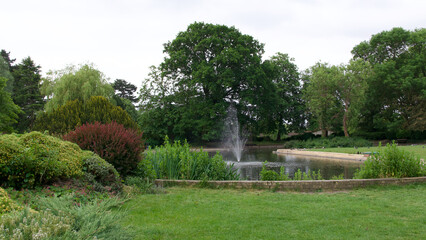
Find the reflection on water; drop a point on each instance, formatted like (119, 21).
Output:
(251, 164)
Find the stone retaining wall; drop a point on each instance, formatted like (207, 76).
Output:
(301, 186)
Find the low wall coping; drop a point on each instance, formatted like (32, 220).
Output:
(301, 186)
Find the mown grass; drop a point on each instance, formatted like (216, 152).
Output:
(190, 213)
(419, 150)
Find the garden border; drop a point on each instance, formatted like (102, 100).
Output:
(300, 186)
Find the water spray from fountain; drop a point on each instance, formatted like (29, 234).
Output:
(233, 138)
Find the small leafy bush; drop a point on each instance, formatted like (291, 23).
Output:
(328, 143)
(7, 204)
(178, 161)
(271, 175)
(392, 161)
(34, 159)
(112, 141)
(100, 173)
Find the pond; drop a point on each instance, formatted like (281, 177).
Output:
(251, 164)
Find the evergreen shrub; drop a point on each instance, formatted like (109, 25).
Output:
(76, 113)
(34, 159)
(119, 146)
(100, 173)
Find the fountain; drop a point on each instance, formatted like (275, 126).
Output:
(233, 138)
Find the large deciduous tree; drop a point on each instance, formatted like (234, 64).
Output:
(320, 95)
(288, 113)
(26, 92)
(350, 91)
(209, 66)
(75, 84)
(396, 97)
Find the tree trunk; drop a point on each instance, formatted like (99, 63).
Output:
(345, 121)
(345, 124)
(324, 133)
(279, 135)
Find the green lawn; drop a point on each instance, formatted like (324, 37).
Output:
(191, 213)
(419, 150)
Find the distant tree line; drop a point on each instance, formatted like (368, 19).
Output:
(380, 93)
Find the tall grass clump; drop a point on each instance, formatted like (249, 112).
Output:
(392, 162)
(178, 161)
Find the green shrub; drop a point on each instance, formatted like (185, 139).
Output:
(271, 175)
(178, 161)
(61, 218)
(100, 173)
(92, 220)
(7, 204)
(328, 143)
(33, 159)
(76, 113)
(392, 161)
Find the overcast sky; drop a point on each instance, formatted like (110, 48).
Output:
(124, 37)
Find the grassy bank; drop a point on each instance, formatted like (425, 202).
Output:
(419, 150)
(188, 213)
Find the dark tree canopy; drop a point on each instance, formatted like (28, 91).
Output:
(26, 92)
(288, 113)
(124, 89)
(396, 96)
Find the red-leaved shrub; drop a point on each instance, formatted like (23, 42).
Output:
(117, 145)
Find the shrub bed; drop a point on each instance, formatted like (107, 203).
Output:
(328, 143)
(34, 159)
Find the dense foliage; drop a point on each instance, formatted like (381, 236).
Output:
(6, 203)
(75, 84)
(396, 93)
(205, 69)
(328, 143)
(34, 159)
(8, 110)
(392, 161)
(26, 92)
(112, 141)
(178, 161)
(76, 113)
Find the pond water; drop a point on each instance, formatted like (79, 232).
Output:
(251, 164)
